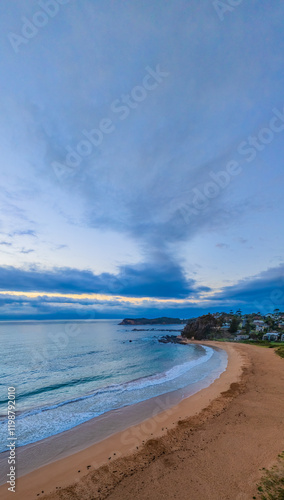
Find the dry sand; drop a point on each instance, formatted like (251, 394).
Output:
(210, 446)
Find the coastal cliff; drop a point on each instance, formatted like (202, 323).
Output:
(200, 328)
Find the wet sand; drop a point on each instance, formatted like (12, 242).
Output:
(210, 446)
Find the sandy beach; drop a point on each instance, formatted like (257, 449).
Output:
(209, 446)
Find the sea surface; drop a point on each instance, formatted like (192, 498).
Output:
(68, 372)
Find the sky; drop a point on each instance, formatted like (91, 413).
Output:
(141, 158)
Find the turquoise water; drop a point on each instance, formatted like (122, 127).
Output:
(66, 373)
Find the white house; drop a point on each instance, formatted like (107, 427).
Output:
(271, 336)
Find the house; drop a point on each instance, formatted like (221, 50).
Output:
(242, 337)
(225, 326)
(259, 325)
(259, 328)
(271, 336)
(282, 337)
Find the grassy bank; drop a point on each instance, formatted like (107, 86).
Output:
(263, 343)
(271, 486)
(280, 351)
(278, 346)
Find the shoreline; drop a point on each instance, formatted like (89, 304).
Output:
(64, 471)
(38, 454)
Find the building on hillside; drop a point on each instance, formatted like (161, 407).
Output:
(271, 336)
(259, 328)
(242, 337)
(225, 326)
(259, 325)
(282, 337)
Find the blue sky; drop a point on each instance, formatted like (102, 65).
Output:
(142, 158)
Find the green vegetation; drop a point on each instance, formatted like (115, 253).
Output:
(280, 351)
(263, 343)
(271, 486)
(234, 325)
(248, 328)
(201, 328)
(266, 343)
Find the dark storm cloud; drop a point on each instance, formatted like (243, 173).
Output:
(164, 281)
(264, 291)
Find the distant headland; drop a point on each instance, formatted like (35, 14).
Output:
(155, 321)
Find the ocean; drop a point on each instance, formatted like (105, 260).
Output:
(68, 372)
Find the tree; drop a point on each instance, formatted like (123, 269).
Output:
(234, 325)
(276, 312)
(247, 328)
